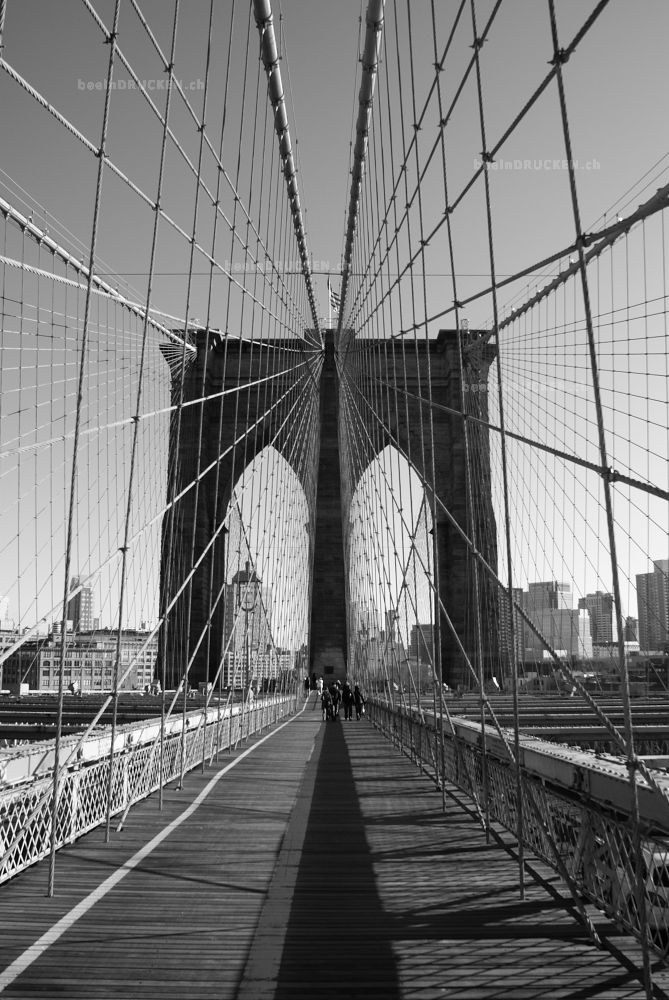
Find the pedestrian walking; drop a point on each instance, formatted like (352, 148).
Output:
(347, 700)
(359, 700)
(336, 699)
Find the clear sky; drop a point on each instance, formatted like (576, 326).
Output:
(616, 85)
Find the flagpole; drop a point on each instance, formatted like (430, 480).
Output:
(329, 305)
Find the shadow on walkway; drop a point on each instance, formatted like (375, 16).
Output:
(325, 915)
(338, 937)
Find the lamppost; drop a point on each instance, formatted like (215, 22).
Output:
(247, 601)
(363, 655)
(394, 660)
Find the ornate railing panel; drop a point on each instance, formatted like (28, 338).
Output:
(590, 847)
(26, 810)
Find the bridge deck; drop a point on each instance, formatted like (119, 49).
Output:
(320, 865)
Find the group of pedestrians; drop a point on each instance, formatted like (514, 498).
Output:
(338, 694)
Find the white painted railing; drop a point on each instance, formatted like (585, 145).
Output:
(589, 845)
(26, 808)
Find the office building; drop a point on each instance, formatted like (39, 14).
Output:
(631, 633)
(566, 629)
(548, 595)
(519, 624)
(652, 591)
(600, 610)
(80, 607)
(421, 644)
(247, 635)
(88, 664)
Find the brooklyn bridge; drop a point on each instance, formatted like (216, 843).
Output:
(431, 465)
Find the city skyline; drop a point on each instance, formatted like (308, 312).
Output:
(599, 604)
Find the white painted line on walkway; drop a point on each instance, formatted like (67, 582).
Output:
(32, 953)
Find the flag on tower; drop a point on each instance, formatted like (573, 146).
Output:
(335, 299)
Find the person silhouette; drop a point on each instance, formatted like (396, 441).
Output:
(347, 700)
(359, 700)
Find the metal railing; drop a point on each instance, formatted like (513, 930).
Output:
(591, 849)
(26, 810)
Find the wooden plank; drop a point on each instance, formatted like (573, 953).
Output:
(180, 924)
(321, 865)
(393, 898)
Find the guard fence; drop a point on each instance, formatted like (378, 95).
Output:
(138, 770)
(591, 847)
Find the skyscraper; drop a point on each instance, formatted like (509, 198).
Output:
(631, 633)
(548, 596)
(519, 625)
(247, 630)
(80, 607)
(422, 643)
(652, 591)
(567, 629)
(600, 610)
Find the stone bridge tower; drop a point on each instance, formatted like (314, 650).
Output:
(228, 374)
(233, 377)
(402, 378)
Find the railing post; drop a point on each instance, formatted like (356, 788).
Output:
(126, 778)
(74, 802)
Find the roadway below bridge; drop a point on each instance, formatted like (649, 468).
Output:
(31, 718)
(315, 862)
(561, 718)
(569, 720)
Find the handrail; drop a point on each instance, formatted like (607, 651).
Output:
(25, 809)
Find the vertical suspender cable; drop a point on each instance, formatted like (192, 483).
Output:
(135, 433)
(632, 761)
(451, 251)
(203, 388)
(207, 325)
(478, 42)
(249, 420)
(413, 458)
(111, 40)
(224, 367)
(473, 534)
(240, 351)
(432, 443)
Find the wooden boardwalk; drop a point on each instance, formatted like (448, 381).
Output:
(321, 865)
